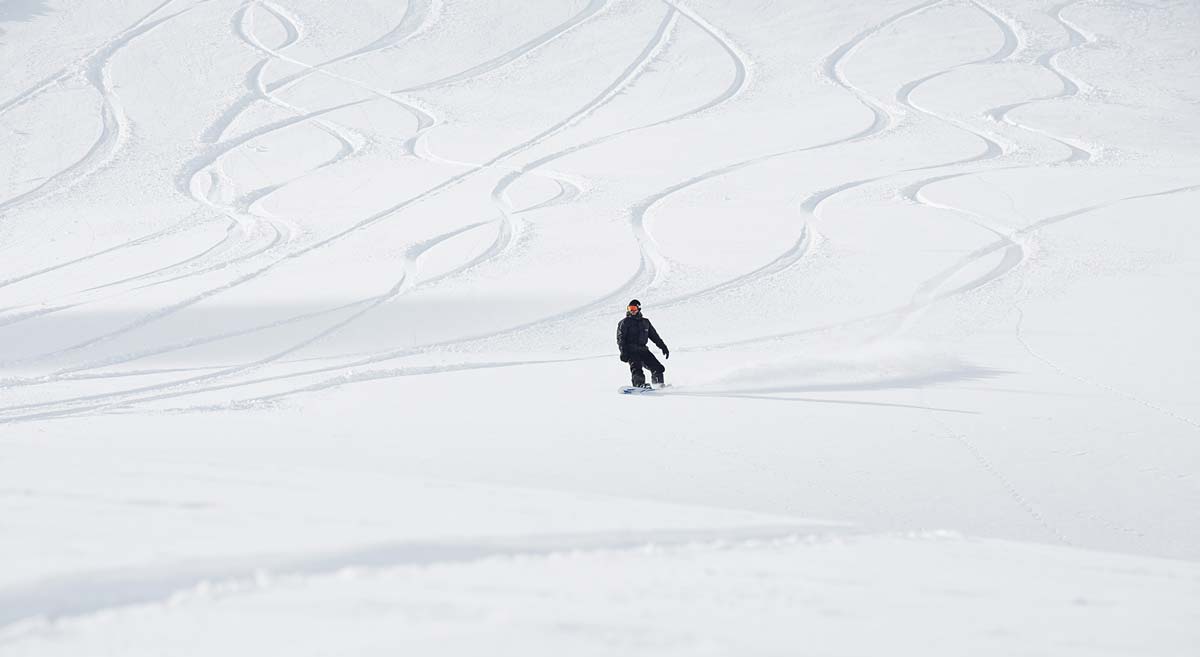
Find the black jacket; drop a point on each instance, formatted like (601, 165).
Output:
(633, 331)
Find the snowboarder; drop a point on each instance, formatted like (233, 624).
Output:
(632, 333)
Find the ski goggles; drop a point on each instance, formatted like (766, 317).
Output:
(634, 309)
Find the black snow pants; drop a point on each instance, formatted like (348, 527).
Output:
(643, 358)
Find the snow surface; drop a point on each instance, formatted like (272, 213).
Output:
(307, 315)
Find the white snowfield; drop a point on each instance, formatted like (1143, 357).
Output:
(307, 313)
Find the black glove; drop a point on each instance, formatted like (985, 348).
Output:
(666, 354)
(624, 358)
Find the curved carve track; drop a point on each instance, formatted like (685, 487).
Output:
(314, 251)
(256, 243)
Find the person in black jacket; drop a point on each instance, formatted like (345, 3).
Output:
(632, 333)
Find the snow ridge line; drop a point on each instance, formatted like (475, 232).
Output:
(48, 601)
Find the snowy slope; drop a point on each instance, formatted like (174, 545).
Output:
(307, 311)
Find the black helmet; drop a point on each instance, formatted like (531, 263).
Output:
(635, 302)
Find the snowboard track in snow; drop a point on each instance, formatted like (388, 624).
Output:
(623, 80)
(283, 243)
(855, 243)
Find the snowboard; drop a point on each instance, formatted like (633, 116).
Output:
(630, 390)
